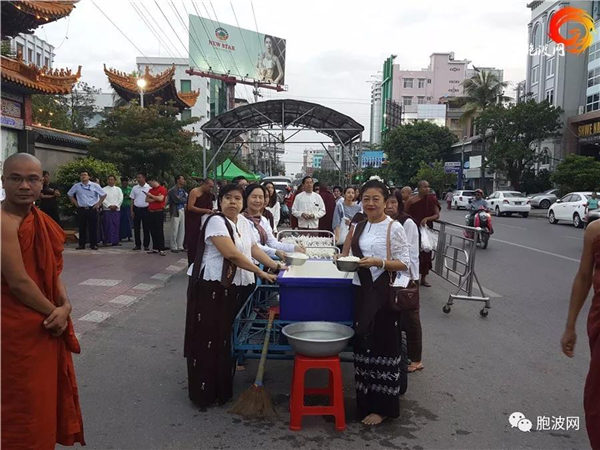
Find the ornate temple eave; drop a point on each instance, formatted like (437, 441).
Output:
(35, 80)
(161, 85)
(24, 16)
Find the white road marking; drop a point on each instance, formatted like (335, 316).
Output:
(100, 282)
(173, 268)
(486, 291)
(506, 225)
(125, 300)
(580, 238)
(183, 261)
(95, 316)
(537, 250)
(144, 287)
(161, 276)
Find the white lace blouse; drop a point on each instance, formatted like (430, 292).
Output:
(373, 243)
(212, 261)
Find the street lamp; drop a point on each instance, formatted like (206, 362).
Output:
(141, 82)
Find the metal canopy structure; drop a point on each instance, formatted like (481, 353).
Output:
(276, 116)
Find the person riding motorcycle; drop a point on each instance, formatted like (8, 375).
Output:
(476, 205)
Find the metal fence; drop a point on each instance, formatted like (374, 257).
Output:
(454, 261)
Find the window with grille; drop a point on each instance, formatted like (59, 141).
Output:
(550, 66)
(592, 103)
(407, 101)
(535, 74)
(594, 52)
(550, 96)
(421, 82)
(593, 77)
(421, 100)
(408, 82)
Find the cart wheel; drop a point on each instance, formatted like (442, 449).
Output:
(446, 309)
(484, 312)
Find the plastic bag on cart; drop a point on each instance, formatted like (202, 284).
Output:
(428, 239)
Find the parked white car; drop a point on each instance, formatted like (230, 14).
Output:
(572, 208)
(461, 198)
(508, 202)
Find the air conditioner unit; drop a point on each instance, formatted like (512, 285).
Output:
(580, 109)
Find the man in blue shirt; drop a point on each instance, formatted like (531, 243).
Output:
(87, 198)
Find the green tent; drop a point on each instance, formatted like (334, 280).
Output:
(228, 171)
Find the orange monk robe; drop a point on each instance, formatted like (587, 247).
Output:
(40, 403)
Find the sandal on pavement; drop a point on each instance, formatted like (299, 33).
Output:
(414, 367)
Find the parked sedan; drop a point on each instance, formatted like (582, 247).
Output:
(508, 202)
(461, 198)
(572, 207)
(544, 199)
(592, 215)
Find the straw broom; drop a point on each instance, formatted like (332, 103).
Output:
(255, 402)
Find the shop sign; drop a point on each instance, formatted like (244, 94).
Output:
(588, 129)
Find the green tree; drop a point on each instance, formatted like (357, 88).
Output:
(481, 91)
(149, 139)
(70, 112)
(515, 129)
(407, 146)
(532, 182)
(331, 177)
(68, 174)
(577, 173)
(436, 175)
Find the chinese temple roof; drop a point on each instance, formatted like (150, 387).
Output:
(31, 79)
(24, 16)
(54, 135)
(160, 86)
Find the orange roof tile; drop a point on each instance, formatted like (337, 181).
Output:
(38, 80)
(46, 9)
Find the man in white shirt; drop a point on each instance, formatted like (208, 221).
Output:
(112, 211)
(139, 211)
(308, 206)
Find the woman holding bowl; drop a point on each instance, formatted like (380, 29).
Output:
(377, 354)
(222, 267)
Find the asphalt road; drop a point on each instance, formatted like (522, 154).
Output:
(478, 371)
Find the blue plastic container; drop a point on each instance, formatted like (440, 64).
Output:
(327, 299)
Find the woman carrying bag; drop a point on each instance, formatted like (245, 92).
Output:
(222, 267)
(411, 321)
(376, 344)
(344, 212)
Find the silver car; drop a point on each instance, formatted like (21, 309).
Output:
(543, 199)
(592, 215)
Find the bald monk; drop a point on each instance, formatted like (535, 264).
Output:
(40, 404)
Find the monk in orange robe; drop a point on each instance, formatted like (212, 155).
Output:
(40, 403)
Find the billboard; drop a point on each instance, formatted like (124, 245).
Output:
(224, 49)
(372, 158)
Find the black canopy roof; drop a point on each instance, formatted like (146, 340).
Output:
(341, 128)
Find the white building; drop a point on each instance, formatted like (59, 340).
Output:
(33, 49)
(376, 110)
(184, 83)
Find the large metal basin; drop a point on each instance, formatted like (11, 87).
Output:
(318, 338)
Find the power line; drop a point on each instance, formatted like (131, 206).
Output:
(197, 39)
(255, 23)
(186, 29)
(170, 25)
(158, 27)
(152, 30)
(120, 31)
(238, 25)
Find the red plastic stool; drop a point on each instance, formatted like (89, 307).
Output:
(334, 391)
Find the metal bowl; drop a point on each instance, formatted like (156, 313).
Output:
(290, 260)
(346, 266)
(318, 338)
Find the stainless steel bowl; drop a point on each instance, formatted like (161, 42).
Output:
(318, 338)
(346, 266)
(291, 261)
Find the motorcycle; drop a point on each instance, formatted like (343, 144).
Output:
(479, 219)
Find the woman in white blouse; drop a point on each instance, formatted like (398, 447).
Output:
(411, 321)
(222, 268)
(273, 205)
(254, 204)
(377, 352)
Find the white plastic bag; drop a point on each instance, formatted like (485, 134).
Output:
(428, 239)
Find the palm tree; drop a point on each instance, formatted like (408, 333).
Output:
(482, 90)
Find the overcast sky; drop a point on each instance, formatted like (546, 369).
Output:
(333, 47)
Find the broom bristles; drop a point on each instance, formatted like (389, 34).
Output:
(255, 402)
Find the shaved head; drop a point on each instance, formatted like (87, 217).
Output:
(22, 179)
(406, 192)
(21, 158)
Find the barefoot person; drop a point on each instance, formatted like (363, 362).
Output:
(588, 274)
(376, 344)
(40, 405)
